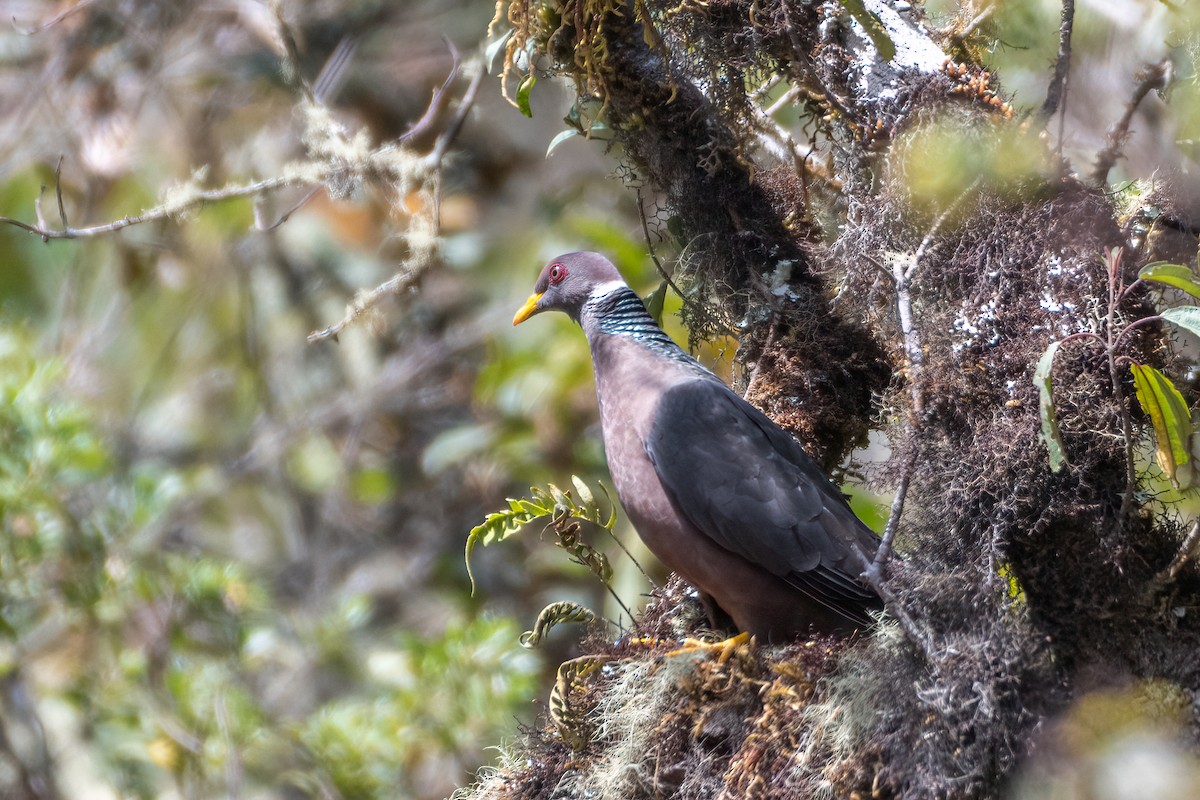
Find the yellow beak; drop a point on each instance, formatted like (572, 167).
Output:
(528, 310)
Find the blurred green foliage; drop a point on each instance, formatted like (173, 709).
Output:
(169, 655)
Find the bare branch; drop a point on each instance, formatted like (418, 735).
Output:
(1153, 77)
(980, 18)
(50, 23)
(902, 277)
(439, 101)
(367, 300)
(192, 201)
(1056, 95)
(919, 638)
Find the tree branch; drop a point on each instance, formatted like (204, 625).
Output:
(1056, 94)
(193, 200)
(1153, 77)
(402, 281)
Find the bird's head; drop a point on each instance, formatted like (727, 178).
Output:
(567, 282)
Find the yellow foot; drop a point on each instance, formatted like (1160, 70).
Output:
(724, 649)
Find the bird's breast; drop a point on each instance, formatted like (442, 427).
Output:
(630, 382)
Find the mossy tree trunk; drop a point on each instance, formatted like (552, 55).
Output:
(905, 269)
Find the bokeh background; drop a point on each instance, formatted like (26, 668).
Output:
(231, 561)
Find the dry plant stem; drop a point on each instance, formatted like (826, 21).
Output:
(636, 563)
(1153, 77)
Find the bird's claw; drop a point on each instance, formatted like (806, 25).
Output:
(724, 649)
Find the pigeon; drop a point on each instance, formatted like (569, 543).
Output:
(722, 495)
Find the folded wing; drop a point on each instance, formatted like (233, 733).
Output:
(751, 488)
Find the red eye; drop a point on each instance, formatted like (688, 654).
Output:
(557, 273)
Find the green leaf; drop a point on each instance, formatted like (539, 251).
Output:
(1175, 275)
(655, 302)
(872, 26)
(1172, 422)
(1186, 317)
(523, 90)
(587, 500)
(496, 527)
(1051, 434)
(561, 500)
(611, 522)
(559, 139)
(552, 502)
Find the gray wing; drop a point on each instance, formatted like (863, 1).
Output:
(750, 487)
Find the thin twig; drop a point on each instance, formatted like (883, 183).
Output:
(902, 277)
(291, 54)
(464, 107)
(437, 103)
(758, 364)
(636, 563)
(57, 18)
(1056, 94)
(774, 134)
(650, 246)
(193, 200)
(929, 242)
(450, 134)
(368, 300)
(62, 211)
(285, 216)
(787, 98)
(762, 91)
(974, 24)
(334, 72)
(894, 608)
(896, 512)
(406, 280)
(1154, 77)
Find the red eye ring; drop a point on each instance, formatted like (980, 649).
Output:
(557, 273)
